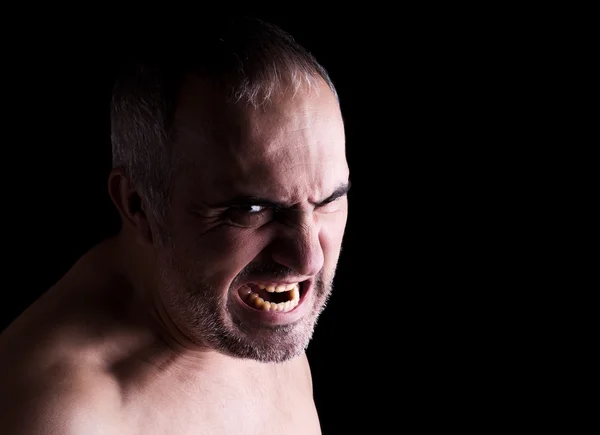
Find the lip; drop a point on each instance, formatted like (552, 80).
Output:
(254, 315)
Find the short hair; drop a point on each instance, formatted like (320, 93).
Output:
(245, 58)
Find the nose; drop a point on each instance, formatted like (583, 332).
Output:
(298, 247)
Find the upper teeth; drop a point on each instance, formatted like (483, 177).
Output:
(277, 288)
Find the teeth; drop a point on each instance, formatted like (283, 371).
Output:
(254, 300)
(272, 288)
(295, 293)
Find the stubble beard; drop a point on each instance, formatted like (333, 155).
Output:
(202, 313)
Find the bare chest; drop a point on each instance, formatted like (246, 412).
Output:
(253, 409)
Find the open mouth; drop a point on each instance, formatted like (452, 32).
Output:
(270, 296)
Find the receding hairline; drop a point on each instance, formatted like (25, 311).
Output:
(204, 115)
(200, 91)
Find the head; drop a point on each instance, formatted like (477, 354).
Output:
(229, 172)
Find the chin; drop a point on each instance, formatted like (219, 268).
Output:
(272, 344)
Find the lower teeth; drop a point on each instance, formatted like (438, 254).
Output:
(255, 301)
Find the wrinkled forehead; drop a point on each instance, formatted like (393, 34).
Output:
(220, 142)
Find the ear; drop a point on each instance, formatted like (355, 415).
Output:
(129, 205)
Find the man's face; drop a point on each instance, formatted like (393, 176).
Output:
(258, 215)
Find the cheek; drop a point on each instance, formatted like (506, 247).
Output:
(220, 254)
(331, 236)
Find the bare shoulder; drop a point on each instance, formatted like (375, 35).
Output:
(52, 379)
(47, 390)
(61, 399)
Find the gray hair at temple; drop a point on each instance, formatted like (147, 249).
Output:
(245, 58)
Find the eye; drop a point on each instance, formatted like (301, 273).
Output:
(255, 208)
(332, 206)
(249, 215)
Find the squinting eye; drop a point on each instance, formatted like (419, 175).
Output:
(331, 206)
(250, 215)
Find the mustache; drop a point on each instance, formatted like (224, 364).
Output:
(272, 269)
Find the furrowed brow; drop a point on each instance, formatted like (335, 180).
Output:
(248, 200)
(342, 190)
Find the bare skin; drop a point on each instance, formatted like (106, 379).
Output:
(112, 349)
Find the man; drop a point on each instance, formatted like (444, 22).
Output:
(230, 178)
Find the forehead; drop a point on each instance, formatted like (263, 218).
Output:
(293, 147)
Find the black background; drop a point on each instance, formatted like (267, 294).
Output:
(407, 338)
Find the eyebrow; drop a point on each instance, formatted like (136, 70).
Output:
(247, 200)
